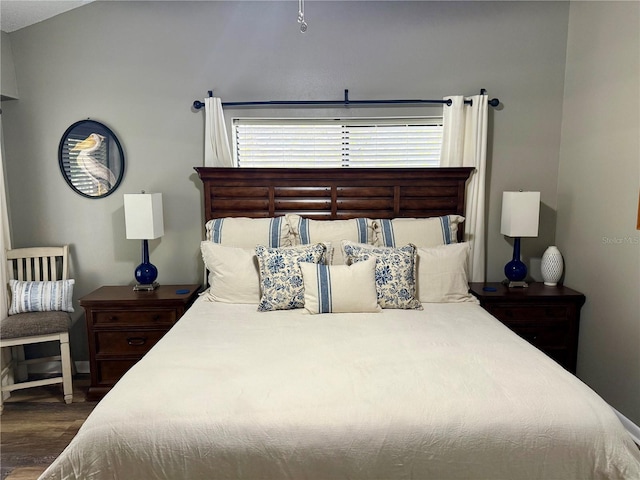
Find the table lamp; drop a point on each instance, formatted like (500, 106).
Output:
(143, 221)
(520, 218)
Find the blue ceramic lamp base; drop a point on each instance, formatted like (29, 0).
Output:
(515, 270)
(146, 273)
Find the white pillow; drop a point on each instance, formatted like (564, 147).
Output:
(442, 274)
(395, 272)
(280, 275)
(249, 232)
(47, 296)
(421, 232)
(233, 273)
(340, 288)
(306, 231)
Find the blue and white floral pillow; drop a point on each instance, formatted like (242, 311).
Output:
(281, 282)
(395, 272)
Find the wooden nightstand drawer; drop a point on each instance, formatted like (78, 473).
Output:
(547, 317)
(131, 342)
(124, 324)
(528, 312)
(108, 372)
(548, 335)
(135, 317)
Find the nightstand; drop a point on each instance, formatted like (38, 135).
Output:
(547, 317)
(123, 325)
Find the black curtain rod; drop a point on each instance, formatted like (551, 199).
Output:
(197, 104)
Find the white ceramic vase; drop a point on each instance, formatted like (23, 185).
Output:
(552, 266)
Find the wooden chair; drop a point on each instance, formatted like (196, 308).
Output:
(35, 264)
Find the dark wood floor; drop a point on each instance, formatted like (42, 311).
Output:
(37, 425)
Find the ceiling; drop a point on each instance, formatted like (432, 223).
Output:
(17, 14)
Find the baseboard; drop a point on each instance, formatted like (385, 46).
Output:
(632, 428)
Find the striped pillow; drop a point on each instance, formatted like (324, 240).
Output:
(340, 288)
(249, 232)
(421, 232)
(41, 296)
(307, 231)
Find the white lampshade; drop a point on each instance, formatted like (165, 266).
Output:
(520, 214)
(143, 215)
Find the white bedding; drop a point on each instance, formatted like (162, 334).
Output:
(445, 393)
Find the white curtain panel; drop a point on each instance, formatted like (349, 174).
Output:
(216, 142)
(464, 144)
(5, 242)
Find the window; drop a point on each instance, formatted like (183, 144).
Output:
(370, 142)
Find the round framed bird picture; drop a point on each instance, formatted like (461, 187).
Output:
(91, 159)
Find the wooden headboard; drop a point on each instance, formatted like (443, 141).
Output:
(334, 193)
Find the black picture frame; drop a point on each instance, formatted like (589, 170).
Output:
(91, 159)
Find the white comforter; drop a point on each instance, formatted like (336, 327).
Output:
(446, 393)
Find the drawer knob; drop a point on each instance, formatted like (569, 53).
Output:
(136, 341)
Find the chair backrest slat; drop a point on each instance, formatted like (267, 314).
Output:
(36, 269)
(53, 267)
(38, 263)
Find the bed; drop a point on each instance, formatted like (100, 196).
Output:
(248, 386)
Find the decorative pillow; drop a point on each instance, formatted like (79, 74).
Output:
(340, 288)
(306, 231)
(395, 272)
(249, 232)
(421, 232)
(41, 296)
(280, 276)
(442, 274)
(233, 273)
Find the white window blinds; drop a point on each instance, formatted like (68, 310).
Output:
(379, 142)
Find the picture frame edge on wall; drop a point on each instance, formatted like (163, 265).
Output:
(91, 159)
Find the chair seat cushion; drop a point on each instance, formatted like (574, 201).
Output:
(34, 323)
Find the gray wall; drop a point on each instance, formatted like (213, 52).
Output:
(598, 194)
(9, 84)
(138, 66)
